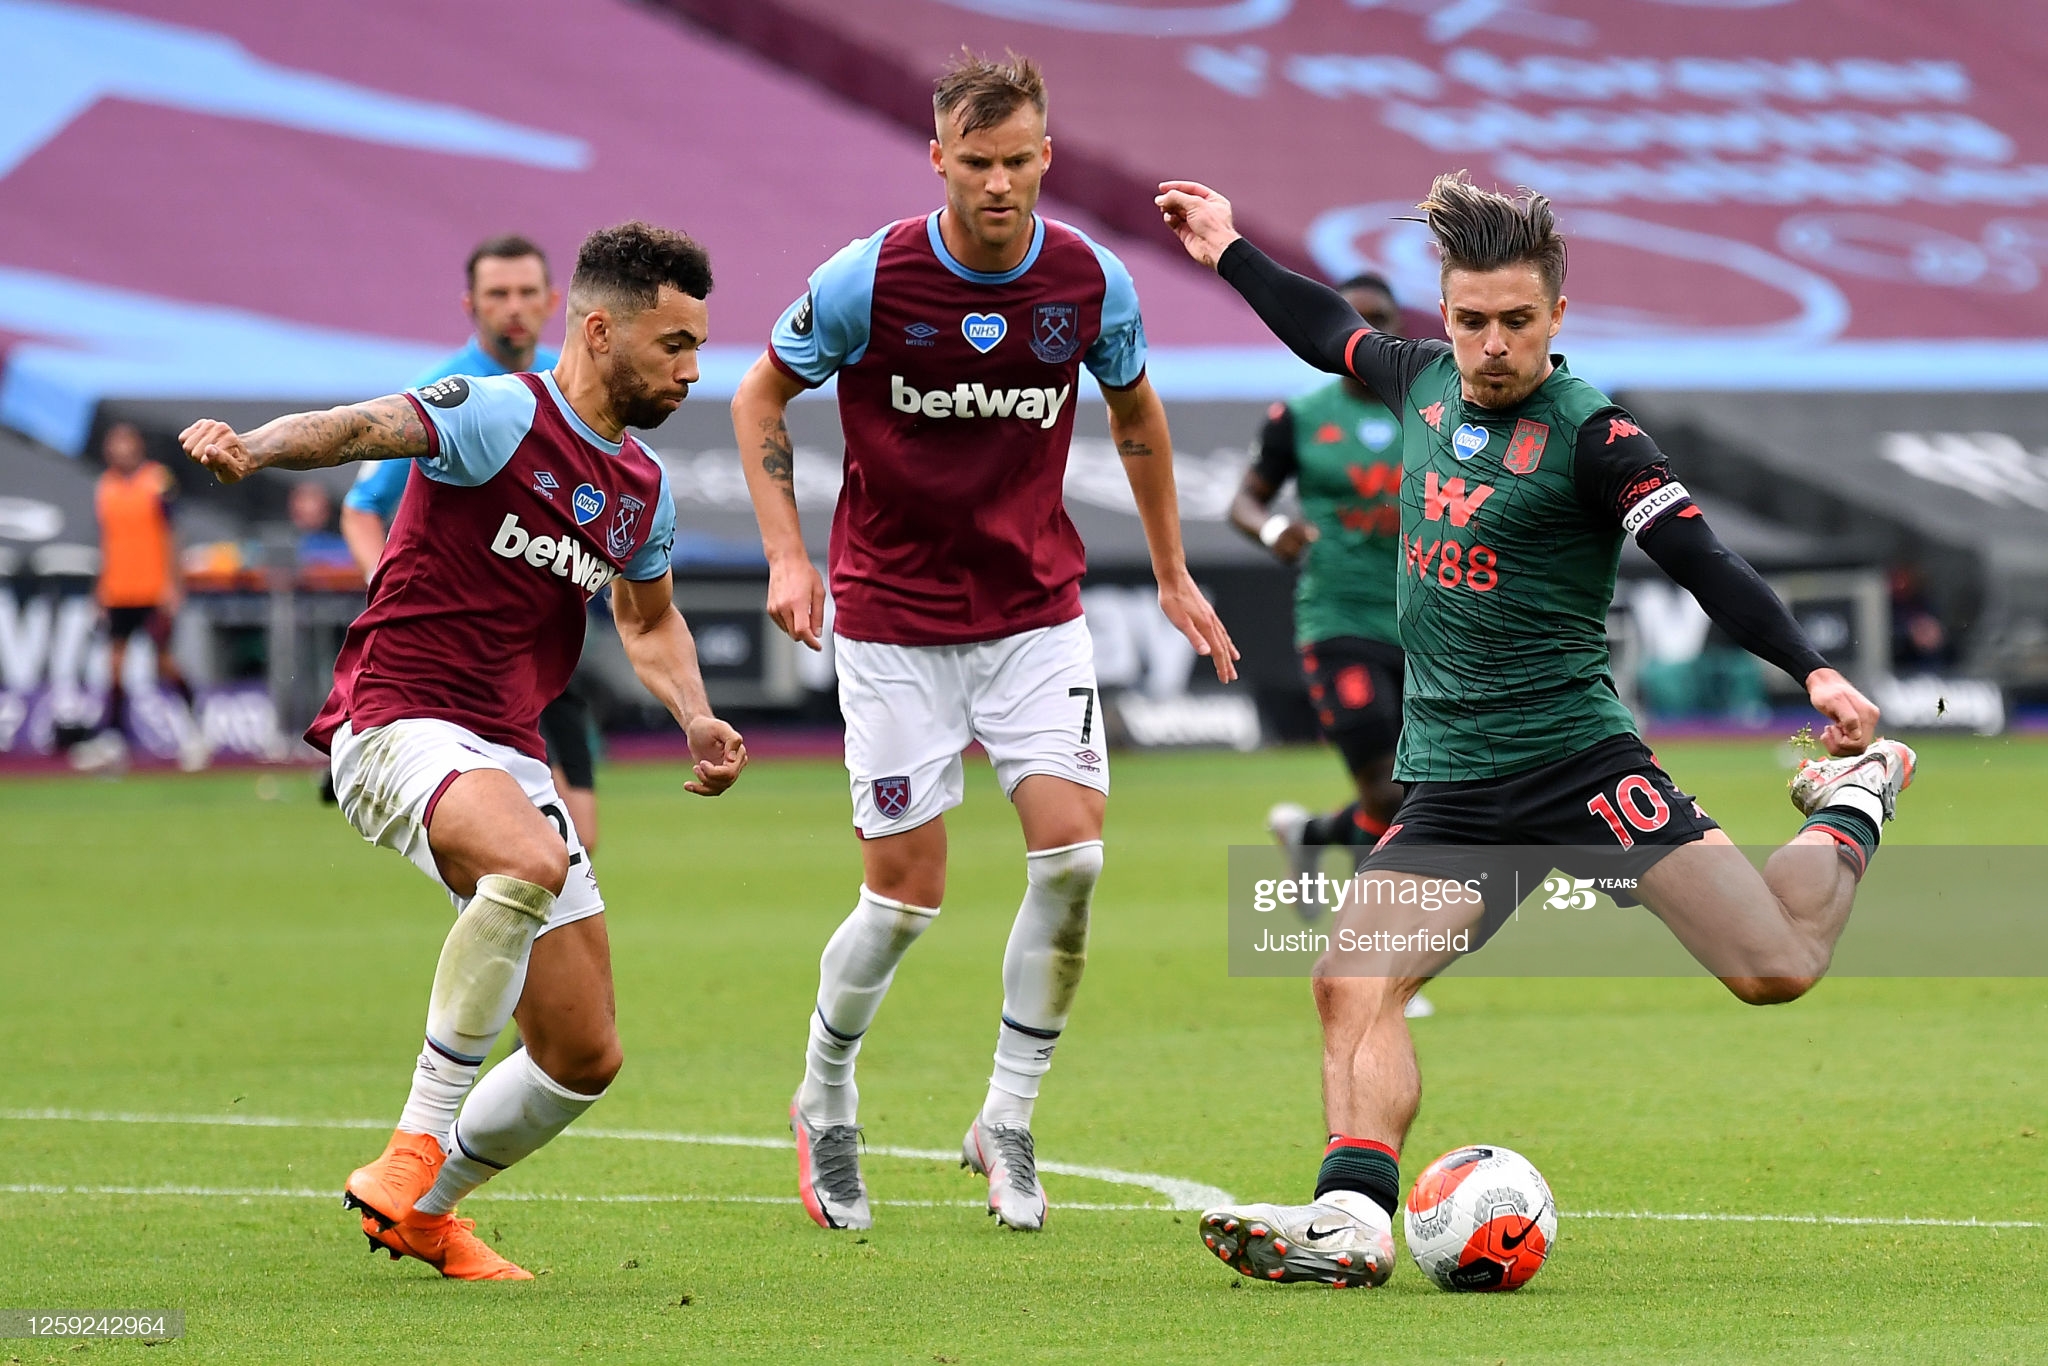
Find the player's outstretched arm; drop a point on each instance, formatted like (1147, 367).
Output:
(1137, 424)
(381, 429)
(664, 657)
(1735, 596)
(796, 595)
(1313, 320)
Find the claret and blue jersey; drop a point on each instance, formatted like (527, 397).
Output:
(956, 398)
(516, 515)
(381, 483)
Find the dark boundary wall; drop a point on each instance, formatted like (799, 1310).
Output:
(1955, 484)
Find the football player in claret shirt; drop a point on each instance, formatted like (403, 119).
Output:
(526, 497)
(509, 296)
(1519, 482)
(958, 338)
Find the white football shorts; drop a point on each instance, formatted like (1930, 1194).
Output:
(1030, 699)
(388, 779)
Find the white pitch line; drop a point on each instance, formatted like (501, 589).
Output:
(1902, 1222)
(1182, 1195)
(551, 1197)
(1185, 1195)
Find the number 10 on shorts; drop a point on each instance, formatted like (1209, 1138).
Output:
(1637, 802)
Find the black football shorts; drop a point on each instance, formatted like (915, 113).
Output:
(1610, 810)
(1355, 685)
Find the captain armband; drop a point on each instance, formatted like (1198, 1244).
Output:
(1648, 499)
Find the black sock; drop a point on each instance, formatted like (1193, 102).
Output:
(117, 710)
(184, 690)
(1334, 828)
(1361, 1165)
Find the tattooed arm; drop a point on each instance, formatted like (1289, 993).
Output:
(1137, 423)
(796, 595)
(381, 429)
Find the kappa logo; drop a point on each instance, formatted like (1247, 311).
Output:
(1525, 447)
(1433, 415)
(892, 796)
(1450, 497)
(983, 330)
(1055, 332)
(1618, 427)
(544, 484)
(446, 393)
(1042, 406)
(559, 554)
(1469, 440)
(586, 504)
(625, 524)
(919, 334)
(1329, 434)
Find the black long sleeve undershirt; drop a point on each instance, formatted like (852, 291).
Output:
(1315, 323)
(1731, 593)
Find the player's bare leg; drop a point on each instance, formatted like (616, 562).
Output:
(904, 878)
(492, 846)
(1042, 967)
(1770, 935)
(1372, 1089)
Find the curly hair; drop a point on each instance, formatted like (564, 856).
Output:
(624, 267)
(1478, 229)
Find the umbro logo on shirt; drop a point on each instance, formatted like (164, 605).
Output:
(919, 334)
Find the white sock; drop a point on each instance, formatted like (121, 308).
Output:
(477, 982)
(511, 1115)
(439, 1082)
(853, 976)
(1041, 972)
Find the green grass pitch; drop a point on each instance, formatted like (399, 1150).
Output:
(224, 947)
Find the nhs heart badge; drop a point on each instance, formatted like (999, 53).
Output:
(1469, 440)
(983, 330)
(588, 503)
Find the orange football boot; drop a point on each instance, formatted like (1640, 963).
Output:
(445, 1243)
(386, 1189)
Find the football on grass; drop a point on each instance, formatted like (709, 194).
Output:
(1480, 1218)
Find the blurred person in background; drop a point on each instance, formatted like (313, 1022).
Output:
(140, 589)
(510, 295)
(1920, 643)
(311, 510)
(1342, 448)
